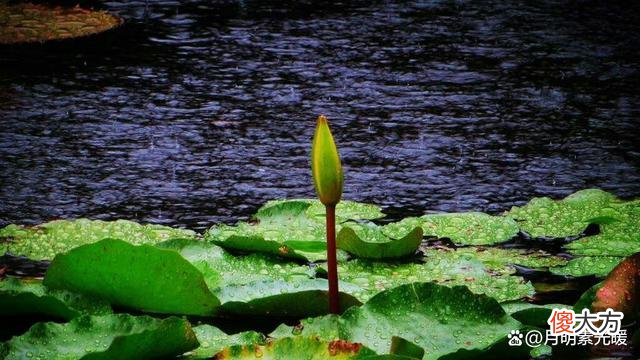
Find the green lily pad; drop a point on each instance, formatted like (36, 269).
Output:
(26, 23)
(46, 240)
(345, 210)
(18, 297)
(547, 218)
(617, 238)
(220, 268)
(368, 241)
(442, 320)
(472, 228)
(258, 284)
(502, 259)
(282, 229)
(116, 336)
(213, 340)
(282, 298)
(289, 228)
(139, 277)
(488, 271)
(298, 348)
(599, 266)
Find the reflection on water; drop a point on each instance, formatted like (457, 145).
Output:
(193, 115)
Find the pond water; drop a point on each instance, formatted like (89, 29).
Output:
(197, 112)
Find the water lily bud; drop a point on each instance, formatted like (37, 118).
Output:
(325, 164)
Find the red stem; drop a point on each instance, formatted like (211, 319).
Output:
(332, 263)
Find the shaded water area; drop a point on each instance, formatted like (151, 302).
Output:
(197, 112)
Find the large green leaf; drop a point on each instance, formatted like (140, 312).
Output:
(368, 241)
(472, 228)
(213, 340)
(289, 228)
(46, 240)
(258, 284)
(106, 337)
(547, 218)
(283, 229)
(308, 348)
(484, 271)
(441, 320)
(282, 298)
(588, 265)
(19, 297)
(138, 277)
(616, 238)
(345, 210)
(220, 268)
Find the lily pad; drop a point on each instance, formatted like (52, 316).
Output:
(502, 259)
(616, 238)
(258, 284)
(213, 340)
(46, 240)
(345, 210)
(220, 268)
(485, 272)
(472, 228)
(282, 298)
(138, 277)
(299, 347)
(442, 320)
(283, 229)
(25, 22)
(289, 228)
(547, 218)
(118, 336)
(18, 297)
(599, 266)
(368, 241)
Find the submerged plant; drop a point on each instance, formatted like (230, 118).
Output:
(328, 180)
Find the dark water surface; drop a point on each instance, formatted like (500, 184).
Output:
(196, 112)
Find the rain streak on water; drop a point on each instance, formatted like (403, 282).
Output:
(197, 112)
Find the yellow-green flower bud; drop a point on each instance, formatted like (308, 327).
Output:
(325, 164)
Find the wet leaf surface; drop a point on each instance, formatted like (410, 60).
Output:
(136, 277)
(368, 241)
(298, 348)
(28, 297)
(260, 285)
(620, 237)
(213, 340)
(289, 228)
(472, 228)
(46, 240)
(599, 266)
(484, 271)
(547, 218)
(440, 319)
(118, 336)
